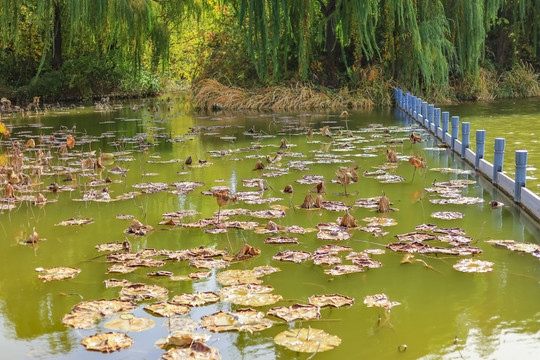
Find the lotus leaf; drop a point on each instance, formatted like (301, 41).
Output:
(376, 221)
(473, 265)
(447, 215)
(380, 300)
(415, 236)
(292, 256)
(57, 273)
(450, 231)
(197, 351)
(367, 262)
(167, 309)
(199, 275)
(160, 273)
(72, 221)
(268, 214)
(178, 324)
(140, 292)
(456, 240)
(307, 340)
(120, 268)
(195, 299)
(523, 247)
(249, 295)
(332, 249)
(343, 270)
(84, 314)
(281, 240)
(209, 263)
(116, 283)
(334, 300)
(240, 320)
(235, 277)
(133, 324)
(108, 342)
(326, 259)
(334, 235)
(425, 227)
(110, 247)
(296, 312)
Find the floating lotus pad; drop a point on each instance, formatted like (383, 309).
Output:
(447, 215)
(197, 350)
(74, 222)
(473, 265)
(167, 309)
(292, 256)
(240, 320)
(249, 295)
(130, 324)
(334, 300)
(195, 299)
(326, 259)
(108, 342)
(307, 340)
(296, 312)
(140, 292)
(380, 300)
(57, 273)
(344, 269)
(84, 314)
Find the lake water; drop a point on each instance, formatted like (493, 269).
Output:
(443, 313)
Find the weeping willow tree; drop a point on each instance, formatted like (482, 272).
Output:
(420, 43)
(129, 30)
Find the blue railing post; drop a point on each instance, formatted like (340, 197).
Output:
(437, 118)
(445, 120)
(465, 132)
(480, 146)
(400, 96)
(498, 158)
(521, 173)
(430, 113)
(418, 108)
(455, 129)
(424, 109)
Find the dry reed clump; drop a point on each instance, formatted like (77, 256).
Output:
(210, 94)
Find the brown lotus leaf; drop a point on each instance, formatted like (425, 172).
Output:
(292, 256)
(458, 201)
(368, 203)
(410, 247)
(295, 229)
(180, 325)
(145, 263)
(329, 227)
(332, 249)
(137, 228)
(382, 221)
(240, 320)
(116, 283)
(334, 300)
(310, 179)
(57, 273)
(343, 270)
(247, 252)
(84, 314)
(447, 215)
(450, 231)
(367, 262)
(124, 217)
(33, 237)
(206, 252)
(121, 257)
(268, 214)
(8, 191)
(206, 263)
(138, 292)
(110, 247)
(307, 340)
(348, 221)
(107, 342)
(79, 221)
(120, 268)
(415, 236)
(353, 255)
(167, 309)
(215, 231)
(296, 312)
(281, 240)
(455, 240)
(131, 324)
(249, 295)
(70, 141)
(160, 273)
(271, 226)
(195, 299)
(199, 275)
(170, 222)
(425, 227)
(380, 300)
(288, 189)
(473, 265)
(333, 235)
(326, 259)
(319, 188)
(196, 350)
(81, 320)
(461, 250)
(523, 247)
(501, 243)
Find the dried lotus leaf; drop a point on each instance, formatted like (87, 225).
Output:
(133, 324)
(209, 263)
(199, 275)
(338, 235)
(332, 249)
(240, 320)
(344, 269)
(182, 338)
(140, 292)
(292, 256)
(195, 299)
(110, 247)
(367, 262)
(296, 312)
(109, 283)
(383, 221)
(473, 265)
(307, 340)
(334, 300)
(235, 277)
(197, 351)
(120, 268)
(57, 273)
(523, 247)
(447, 215)
(167, 309)
(281, 240)
(249, 295)
(379, 300)
(108, 342)
(73, 222)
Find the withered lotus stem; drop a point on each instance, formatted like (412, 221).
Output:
(318, 201)
(259, 165)
(308, 202)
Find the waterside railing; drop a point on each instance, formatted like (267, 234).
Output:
(430, 118)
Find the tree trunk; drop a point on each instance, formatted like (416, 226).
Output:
(330, 25)
(57, 45)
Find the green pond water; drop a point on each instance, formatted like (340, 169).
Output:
(444, 313)
(516, 120)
